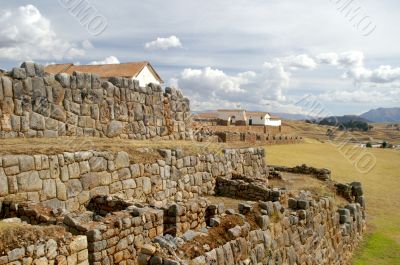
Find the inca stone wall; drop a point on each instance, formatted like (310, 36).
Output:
(260, 138)
(70, 180)
(316, 235)
(35, 104)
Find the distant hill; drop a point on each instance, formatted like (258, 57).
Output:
(344, 119)
(346, 122)
(382, 115)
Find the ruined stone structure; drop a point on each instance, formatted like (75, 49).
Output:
(109, 209)
(259, 138)
(35, 104)
(70, 180)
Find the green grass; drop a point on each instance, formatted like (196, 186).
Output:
(381, 186)
(378, 249)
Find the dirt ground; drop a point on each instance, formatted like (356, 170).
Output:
(19, 234)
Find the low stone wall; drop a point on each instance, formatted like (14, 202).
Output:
(35, 104)
(319, 173)
(49, 252)
(252, 191)
(118, 237)
(262, 138)
(180, 217)
(70, 180)
(315, 235)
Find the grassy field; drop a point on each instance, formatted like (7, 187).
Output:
(381, 186)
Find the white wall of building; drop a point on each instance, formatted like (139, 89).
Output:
(256, 119)
(146, 77)
(273, 122)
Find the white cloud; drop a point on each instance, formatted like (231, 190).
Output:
(25, 34)
(164, 43)
(302, 61)
(351, 59)
(87, 44)
(328, 58)
(269, 86)
(108, 60)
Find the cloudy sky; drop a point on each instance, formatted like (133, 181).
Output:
(256, 54)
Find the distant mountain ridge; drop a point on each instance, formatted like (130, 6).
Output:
(382, 115)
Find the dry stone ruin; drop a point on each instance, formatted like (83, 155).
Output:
(35, 104)
(101, 207)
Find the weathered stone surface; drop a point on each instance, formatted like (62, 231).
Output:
(79, 243)
(121, 160)
(98, 164)
(114, 129)
(29, 68)
(26, 163)
(3, 183)
(49, 188)
(263, 221)
(74, 187)
(29, 181)
(18, 73)
(37, 121)
(16, 254)
(95, 179)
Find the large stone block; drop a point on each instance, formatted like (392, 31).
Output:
(49, 188)
(37, 121)
(114, 129)
(3, 183)
(98, 164)
(7, 87)
(74, 187)
(95, 179)
(39, 90)
(26, 163)
(18, 73)
(29, 181)
(29, 68)
(122, 160)
(58, 113)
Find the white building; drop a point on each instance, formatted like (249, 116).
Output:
(141, 71)
(261, 118)
(232, 117)
(243, 117)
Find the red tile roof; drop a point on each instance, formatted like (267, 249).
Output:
(131, 69)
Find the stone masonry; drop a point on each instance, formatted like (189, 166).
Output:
(70, 180)
(37, 104)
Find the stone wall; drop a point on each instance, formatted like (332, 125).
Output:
(319, 173)
(118, 237)
(180, 217)
(317, 235)
(237, 188)
(259, 138)
(70, 180)
(35, 104)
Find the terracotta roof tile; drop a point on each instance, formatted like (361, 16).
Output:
(131, 69)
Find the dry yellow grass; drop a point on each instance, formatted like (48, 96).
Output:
(139, 151)
(381, 186)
